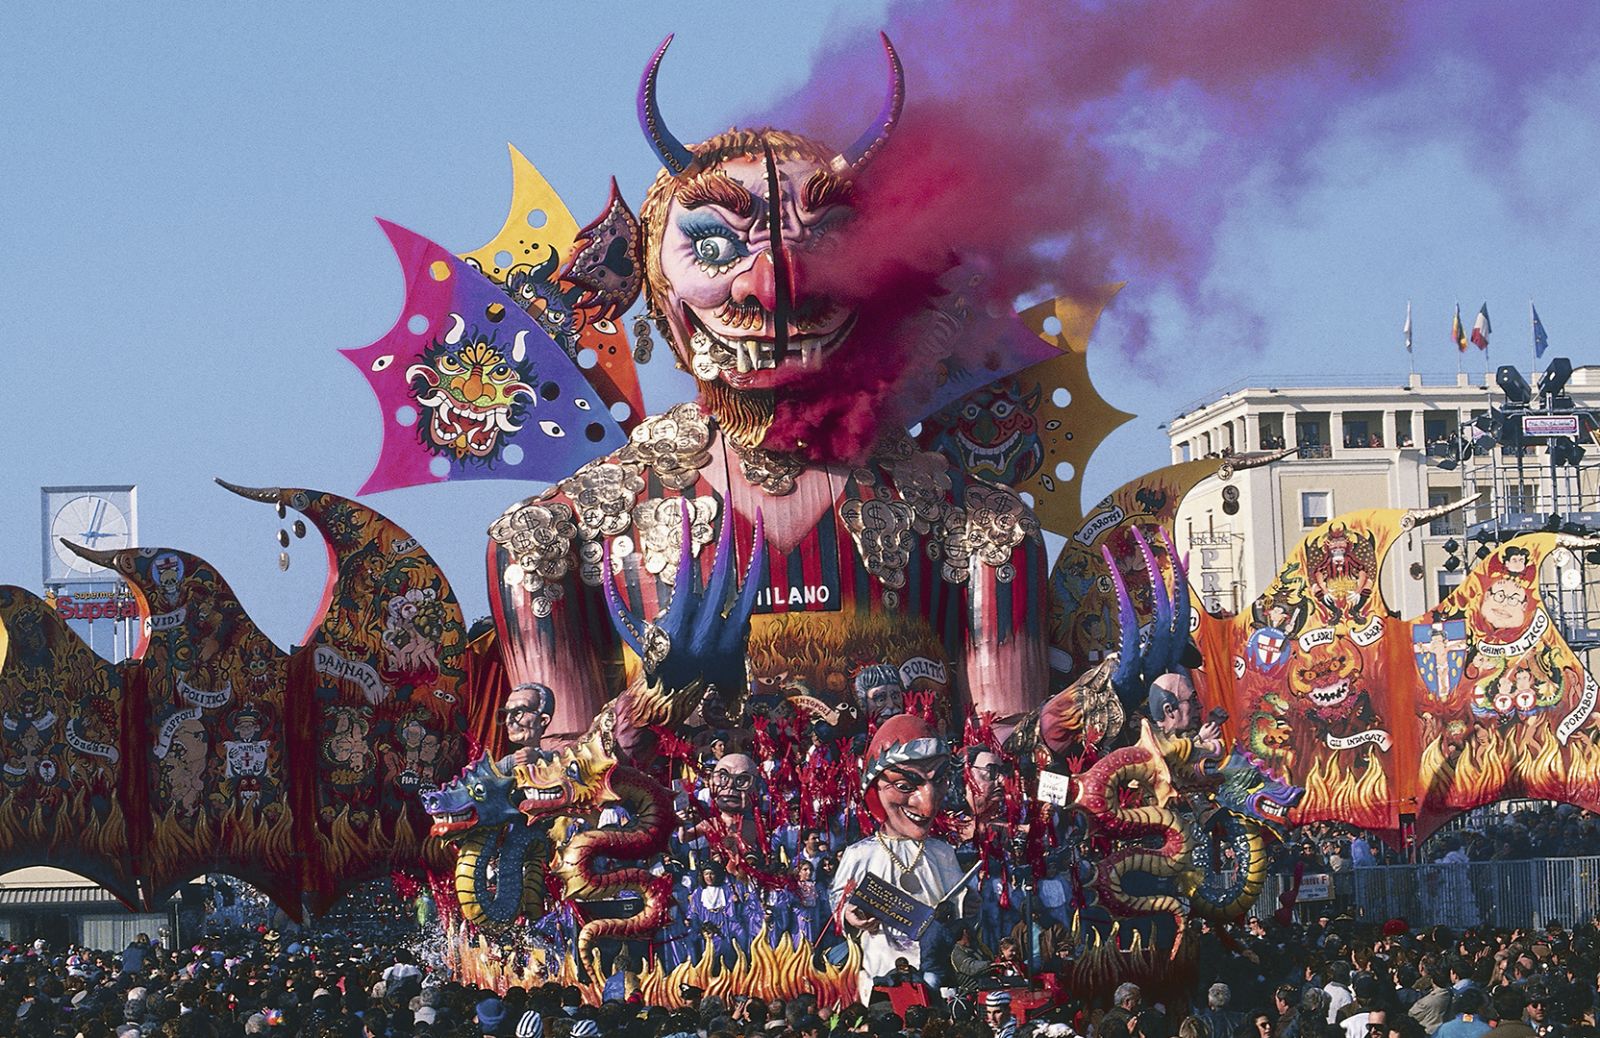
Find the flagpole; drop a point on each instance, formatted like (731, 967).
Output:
(1455, 338)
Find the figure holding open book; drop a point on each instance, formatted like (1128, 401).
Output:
(888, 885)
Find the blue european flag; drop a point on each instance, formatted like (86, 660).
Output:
(1541, 341)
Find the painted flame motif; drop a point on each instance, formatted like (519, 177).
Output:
(766, 971)
(1359, 795)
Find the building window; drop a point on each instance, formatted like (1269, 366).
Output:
(1448, 582)
(1363, 429)
(1444, 524)
(1521, 497)
(1315, 506)
(1402, 429)
(1271, 432)
(1184, 452)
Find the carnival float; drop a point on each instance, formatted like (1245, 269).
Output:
(810, 607)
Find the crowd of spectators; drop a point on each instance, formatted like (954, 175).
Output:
(1545, 831)
(1532, 831)
(1332, 978)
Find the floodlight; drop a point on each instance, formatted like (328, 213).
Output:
(1555, 377)
(1513, 385)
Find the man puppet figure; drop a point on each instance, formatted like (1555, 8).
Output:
(733, 831)
(526, 714)
(903, 776)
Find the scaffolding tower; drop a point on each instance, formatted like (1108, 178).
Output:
(1531, 457)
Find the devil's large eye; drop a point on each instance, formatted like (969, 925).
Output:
(836, 219)
(449, 363)
(572, 772)
(715, 243)
(1002, 409)
(716, 250)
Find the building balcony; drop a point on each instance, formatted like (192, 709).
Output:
(1313, 451)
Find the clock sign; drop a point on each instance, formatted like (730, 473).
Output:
(99, 518)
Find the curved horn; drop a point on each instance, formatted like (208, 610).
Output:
(546, 269)
(866, 146)
(94, 555)
(1417, 516)
(668, 149)
(266, 495)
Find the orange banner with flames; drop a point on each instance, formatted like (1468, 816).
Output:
(1506, 707)
(1385, 720)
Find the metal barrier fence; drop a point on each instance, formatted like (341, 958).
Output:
(1500, 894)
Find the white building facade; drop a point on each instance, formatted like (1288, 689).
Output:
(1358, 447)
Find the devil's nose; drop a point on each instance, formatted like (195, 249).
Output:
(759, 284)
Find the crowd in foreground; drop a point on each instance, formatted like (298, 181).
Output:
(1332, 978)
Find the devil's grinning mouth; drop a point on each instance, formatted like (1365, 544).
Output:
(747, 355)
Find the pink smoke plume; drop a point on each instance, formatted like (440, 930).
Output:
(1063, 145)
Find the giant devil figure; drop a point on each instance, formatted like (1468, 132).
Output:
(884, 553)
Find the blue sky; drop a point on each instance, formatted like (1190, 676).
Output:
(188, 235)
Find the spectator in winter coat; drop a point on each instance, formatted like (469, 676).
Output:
(1222, 1021)
(1433, 1008)
(1471, 1008)
(1338, 990)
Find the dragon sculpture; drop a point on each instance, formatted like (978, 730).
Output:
(476, 813)
(1154, 780)
(1126, 794)
(692, 650)
(579, 782)
(1251, 803)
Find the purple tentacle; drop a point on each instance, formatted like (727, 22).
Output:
(1160, 648)
(1158, 583)
(671, 616)
(1182, 608)
(622, 617)
(722, 572)
(673, 155)
(755, 578)
(1125, 679)
(876, 136)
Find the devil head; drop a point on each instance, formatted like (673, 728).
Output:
(740, 234)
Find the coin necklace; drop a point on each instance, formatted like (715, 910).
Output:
(908, 880)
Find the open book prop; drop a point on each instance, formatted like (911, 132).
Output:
(899, 911)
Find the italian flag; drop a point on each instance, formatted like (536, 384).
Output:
(1480, 328)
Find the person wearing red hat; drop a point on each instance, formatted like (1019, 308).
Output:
(902, 778)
